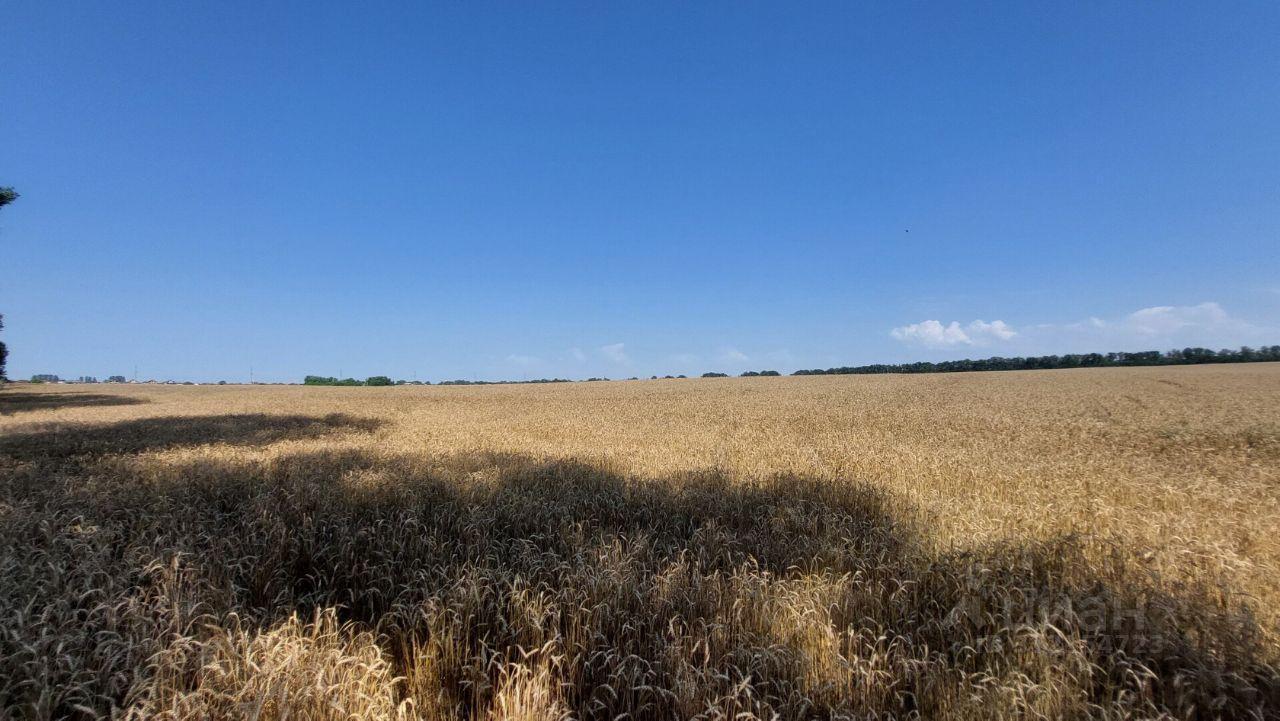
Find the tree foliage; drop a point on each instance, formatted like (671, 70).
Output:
(1185, 356)
(330, 381)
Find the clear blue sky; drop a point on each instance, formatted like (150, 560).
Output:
(538, 189)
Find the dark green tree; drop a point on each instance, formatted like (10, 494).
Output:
(4, 352)
(7, 195)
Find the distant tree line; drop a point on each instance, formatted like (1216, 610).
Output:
(1185, 356)
(55, 378)
(331, 381)
(386, 381)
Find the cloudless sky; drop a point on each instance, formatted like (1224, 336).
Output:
(463, 190)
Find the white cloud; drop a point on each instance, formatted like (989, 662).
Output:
(577, 354)
(733, 355)
(1204, 324)
(522, 360)
(1163, 320)
(1155, 328)
(615, 352)
(995, 330)
(933, 334)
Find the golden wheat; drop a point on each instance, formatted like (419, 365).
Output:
(1098, 543)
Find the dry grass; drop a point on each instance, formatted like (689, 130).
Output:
(1099, 543)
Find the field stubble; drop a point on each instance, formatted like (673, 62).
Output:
(1097, 543)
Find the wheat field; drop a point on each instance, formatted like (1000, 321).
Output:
(1099, 543)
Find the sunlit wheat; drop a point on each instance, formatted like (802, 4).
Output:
(1100, 543)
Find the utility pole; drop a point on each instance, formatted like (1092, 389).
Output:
(250, 375)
